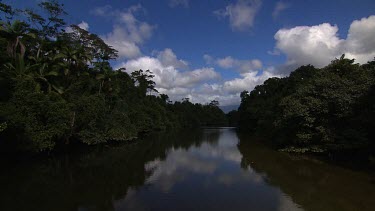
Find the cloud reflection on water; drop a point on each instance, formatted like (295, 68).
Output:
(207, 176)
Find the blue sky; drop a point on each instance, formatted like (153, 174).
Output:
(213, 50)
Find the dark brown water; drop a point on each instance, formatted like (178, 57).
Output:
(199, 170)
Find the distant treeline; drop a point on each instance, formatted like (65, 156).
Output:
(58, 87)
(330, 109)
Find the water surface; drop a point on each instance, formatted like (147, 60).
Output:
(210, 169)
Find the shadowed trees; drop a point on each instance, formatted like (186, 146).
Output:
(314, 110)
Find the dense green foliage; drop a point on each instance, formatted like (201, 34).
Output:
(233, 118)
(57, 86)
(315, 110)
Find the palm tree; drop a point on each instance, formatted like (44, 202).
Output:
(42, 71)
(105, 76)
(144, 81)
(13, 33)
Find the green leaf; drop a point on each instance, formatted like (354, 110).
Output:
(59, 56)
(59, 90)
(53, 73)
(100, 76)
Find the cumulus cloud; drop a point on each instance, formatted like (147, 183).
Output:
(309, 44)
(164, 75)
(84, 25)
(190, 78)
(248, 81)
(207, 92)
(168, 58)
(280, 6)
(229, 62)
(128, 32)
(172, 74)
(319, 44)
(241, 14)
(177, 3)
(200, 85)
(227, 92)
(168, 76)
(240, 65)
(360, 43)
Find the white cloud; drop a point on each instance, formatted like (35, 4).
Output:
(305, 44)
(227, 92)
(191, 78)
(280, 6)
(229, 62)
(247, 82)
(241, 14)
(169, 77)
(128, 32)
(176, 3)
(83, 25)
(172, 75)
(169, 58)
(249, 65)
(203, 93)
(176, 93)
(164, 76)
(224, 98)
(360, 43)
(118, 39)
(200, 85)
(318, 45)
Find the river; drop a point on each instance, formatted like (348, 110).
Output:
(210, 169)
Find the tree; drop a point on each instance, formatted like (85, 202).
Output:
(214, 103)
(143, 79)
(314, 110)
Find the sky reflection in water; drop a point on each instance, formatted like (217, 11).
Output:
(213, 169)
(205, 177)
